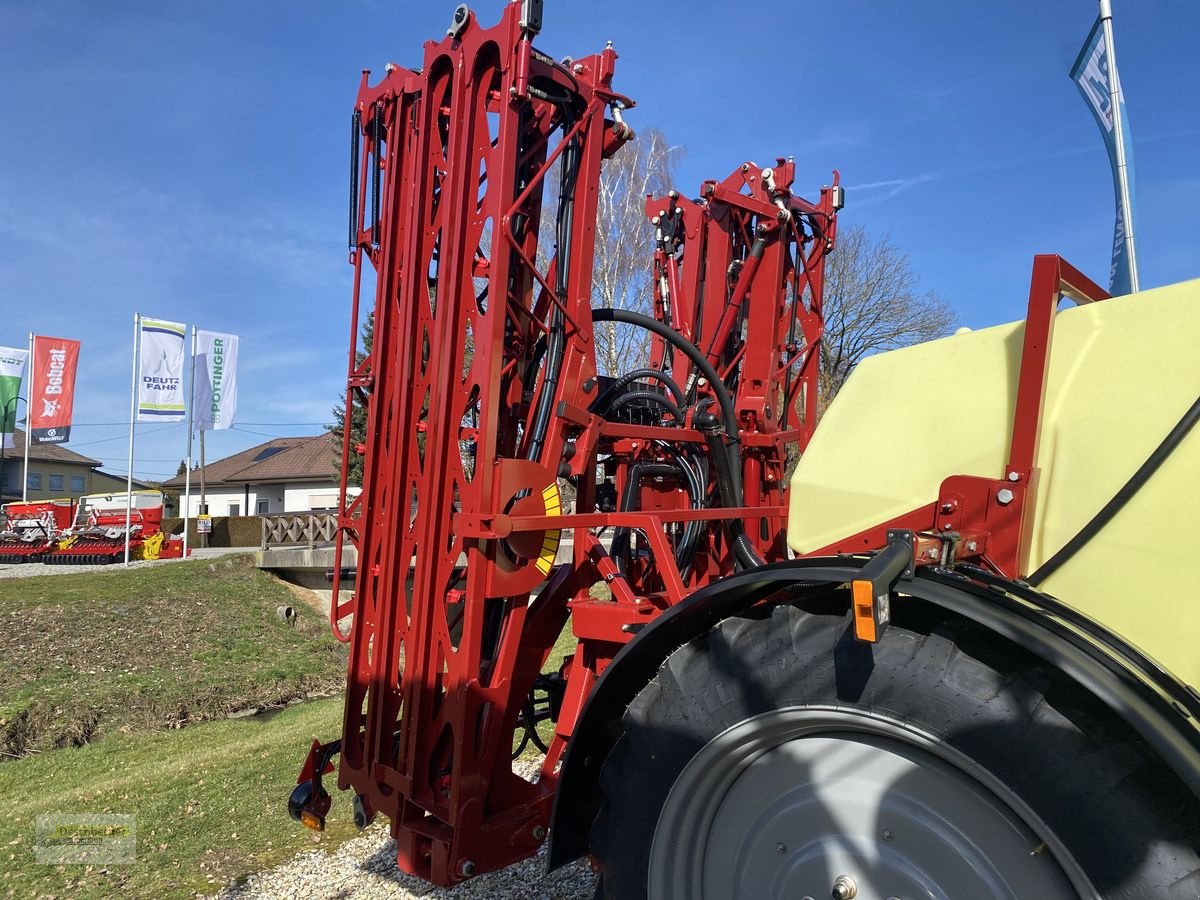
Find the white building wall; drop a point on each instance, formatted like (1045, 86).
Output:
(276, 498)
(313, 495)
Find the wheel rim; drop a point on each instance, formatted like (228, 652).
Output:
(786, 803)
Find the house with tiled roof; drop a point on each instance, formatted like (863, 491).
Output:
(54, 473)
(282, 475)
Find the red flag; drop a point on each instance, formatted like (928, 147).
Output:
(52, 392)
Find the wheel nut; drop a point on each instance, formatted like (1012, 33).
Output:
(844, 888)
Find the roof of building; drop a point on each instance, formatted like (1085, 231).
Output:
(280, 459)
(48, 452)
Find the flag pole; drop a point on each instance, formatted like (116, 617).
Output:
(1114, 105)
(187, 479)
(133, 385)
(28, 419)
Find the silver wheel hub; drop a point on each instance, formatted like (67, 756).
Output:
(828, 803)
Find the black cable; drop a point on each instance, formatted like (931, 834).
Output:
(1121, 497)
(650, 397)
(620, 547)
(727, 458)
(611, 392)
(556, 338)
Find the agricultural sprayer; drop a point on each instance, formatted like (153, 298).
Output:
(953, 661)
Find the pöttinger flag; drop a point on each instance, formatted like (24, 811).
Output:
(12, 371)
(214, 392)
(160, 371)
(1090, 74)
(52, 389)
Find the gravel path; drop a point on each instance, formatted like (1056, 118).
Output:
(31, 570)
(365, 868)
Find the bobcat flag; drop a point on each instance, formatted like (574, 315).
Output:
(52, 389)
(160, 371)
(12, 370)
(1090, 74)
(214, 392)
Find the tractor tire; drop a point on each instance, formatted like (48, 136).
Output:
(776, 756)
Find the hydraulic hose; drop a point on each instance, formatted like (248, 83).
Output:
(726, 457)
(651, 397)
(628, 378)
(1121, 497)
(639, 470)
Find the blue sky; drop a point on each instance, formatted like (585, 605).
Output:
(188, 160)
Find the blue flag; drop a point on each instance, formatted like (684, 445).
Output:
(1090, 74)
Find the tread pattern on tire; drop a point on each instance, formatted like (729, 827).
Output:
(1133, 827)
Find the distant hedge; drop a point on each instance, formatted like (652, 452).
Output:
(227, 531)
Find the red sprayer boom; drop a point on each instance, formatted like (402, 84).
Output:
(473, 224)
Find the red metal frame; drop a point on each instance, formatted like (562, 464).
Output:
(458, 598)
(989, 520)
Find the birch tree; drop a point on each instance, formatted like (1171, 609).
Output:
(622, 274)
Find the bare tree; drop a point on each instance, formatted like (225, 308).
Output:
(625, 243)
(872, 303)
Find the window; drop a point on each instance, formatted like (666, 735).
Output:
(34, 481)
(264, 507)
(235, 509)
(56, 482)
(77, 484)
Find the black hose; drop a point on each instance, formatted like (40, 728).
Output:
(556, 339)
(729, 484)
(651, 397)
(620, 541)
(628, 378)
(726, 456)
(690, 350)
(1121, 497)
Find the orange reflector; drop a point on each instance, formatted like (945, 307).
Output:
(312, 820)
(863, 598)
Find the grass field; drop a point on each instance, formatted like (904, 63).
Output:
(99, 674)
(209, 802)
(161, 647)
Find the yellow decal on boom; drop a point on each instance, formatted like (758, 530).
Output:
(545, 560)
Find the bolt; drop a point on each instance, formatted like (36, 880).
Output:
(539, 832)
(1004, 496)
(745, 167)
(780, 848)
(577, 68)
(972, 546)
(932, 553)
(948, 507)
(674, 195)
(888, 836)
(844, 888)
(467, 868)
(1014, 476)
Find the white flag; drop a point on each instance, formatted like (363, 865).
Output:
(12, 371)
(214, 393)
(160, 372)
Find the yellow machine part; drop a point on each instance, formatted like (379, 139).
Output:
(1122, 372)
(152, 546)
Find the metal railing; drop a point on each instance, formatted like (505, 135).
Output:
(298, 529)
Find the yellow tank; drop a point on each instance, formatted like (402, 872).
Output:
(1122, 372)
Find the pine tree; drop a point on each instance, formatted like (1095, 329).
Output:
(358, 413)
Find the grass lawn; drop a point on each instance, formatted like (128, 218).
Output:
(160, 647)
(209, 801)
